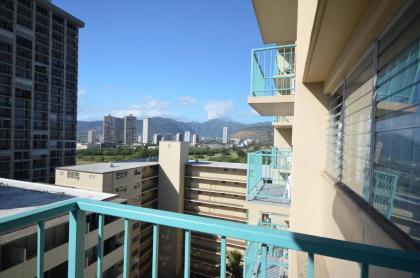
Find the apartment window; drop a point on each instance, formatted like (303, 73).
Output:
(335, 133)
(135, 239)
(121, 189)
(374, 127)
(92, 177)
(135, 225)
(357, 123)
(397, 131)
(73, 175)
(121, 174)
(137, 172)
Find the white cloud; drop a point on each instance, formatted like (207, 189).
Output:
(186, 100)
(81, 92)
(219, 109)
(149, 108)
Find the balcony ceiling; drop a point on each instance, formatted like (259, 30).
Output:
(273, 105)
(277, 20)
(341, 34)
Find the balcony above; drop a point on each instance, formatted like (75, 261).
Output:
(268, 177)
(273, 80)
(283, 122)
(277, 20)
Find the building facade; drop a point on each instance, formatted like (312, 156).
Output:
(130, 130)
(195, 139)
(187, 136)
(179, 137)
(91, 137)
(225, 138)
(343, 95)
(217, 190)
(157, 138)
(38, 85)
(145, 131)
(137, 183)
(113, 130)
(18, 249)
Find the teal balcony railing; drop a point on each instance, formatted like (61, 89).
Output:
(273, 71)
(77, 209)
(277, 257)
(268, 176)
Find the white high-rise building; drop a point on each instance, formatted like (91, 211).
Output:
(195, 139)
(225, 135)
(139, 139)
(145, 131)
(91, 136)
(187, 136)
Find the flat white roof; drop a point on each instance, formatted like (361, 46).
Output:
(215, 164)
(101, 168)
(19, 196)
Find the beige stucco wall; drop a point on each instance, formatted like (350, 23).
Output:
(282, 137)
(318, 206)
(279, 213)
(172, 159)
(86, 181)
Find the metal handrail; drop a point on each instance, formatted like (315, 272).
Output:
(77, 209)
(273, 70)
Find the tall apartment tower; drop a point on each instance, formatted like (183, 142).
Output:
(91, 136)
(130, 130)
(225, 135)
(195, 139)
(145, 130)
(179, 137)
(38, 89)
(113, 130)
(187, 136)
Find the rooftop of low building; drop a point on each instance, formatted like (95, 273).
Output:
(102, 168)
(19, 196)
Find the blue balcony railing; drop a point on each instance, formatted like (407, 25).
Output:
(268, 176)
(78, 208)
(277, 257)
(273, 71)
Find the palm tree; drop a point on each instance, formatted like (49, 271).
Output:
(235, 266)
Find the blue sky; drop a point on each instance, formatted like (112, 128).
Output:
(184, 59)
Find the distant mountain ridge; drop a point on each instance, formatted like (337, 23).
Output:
(212, 128)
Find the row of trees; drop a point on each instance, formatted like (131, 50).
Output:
(116, 154)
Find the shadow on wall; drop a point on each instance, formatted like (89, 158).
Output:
(169, 238)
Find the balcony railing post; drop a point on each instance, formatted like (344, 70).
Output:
(127, 242)
(187, 243)
(263, 261)
(99, 261)
(40, 250)
(365, 271)
(76, 255)
(311, 265)
(223, 257)
(155, 251)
